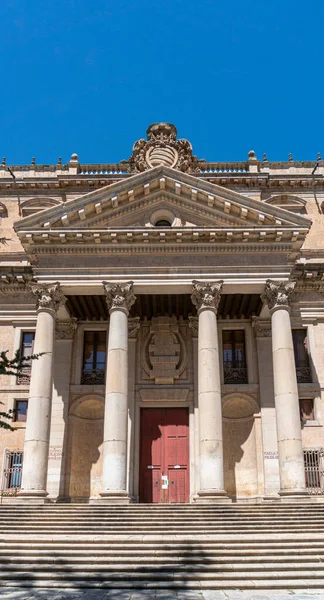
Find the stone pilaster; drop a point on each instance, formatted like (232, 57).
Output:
(262, 331)
(120, 298)
(206, 297)
(64, 330)
(36, 448)
(277, 296)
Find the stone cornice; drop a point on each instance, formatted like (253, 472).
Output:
(59, 239)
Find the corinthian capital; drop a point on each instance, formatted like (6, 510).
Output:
(119, 295)
(48, 297)
(206, 295)
(277, 294)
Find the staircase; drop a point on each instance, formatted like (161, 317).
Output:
(261, 546)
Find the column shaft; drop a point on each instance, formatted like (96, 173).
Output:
(119, 298)
(290, 450)
(39, 409)
(206, 297)
(210, 406)
(291, 460)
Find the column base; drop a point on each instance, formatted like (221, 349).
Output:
(112, 497)
(297, 494)
(33, 496)
(211, 497)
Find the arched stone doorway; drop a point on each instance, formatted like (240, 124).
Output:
(84, 449)
(242, 447)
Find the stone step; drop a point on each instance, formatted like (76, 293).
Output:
(195, 584)
(181, 574)
(257, 555)
(145, 563)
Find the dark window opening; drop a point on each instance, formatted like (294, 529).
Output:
(26, 349)
(163, 223)
(306, 407)
(234, 357)
(20, 411)
(94, 358)
(303, 370)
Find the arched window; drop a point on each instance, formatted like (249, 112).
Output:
(35, 205)
(163, 223)
(289, 202)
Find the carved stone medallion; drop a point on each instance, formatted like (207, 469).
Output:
(164, 351)
(163, 149)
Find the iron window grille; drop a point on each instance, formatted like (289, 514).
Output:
(314, 470)
(234, 356)
(26, 349)
(12, 471)
(94, 358)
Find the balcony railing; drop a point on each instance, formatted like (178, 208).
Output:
(24, 376)
(304, 375)
(93, 377)
(235, 374)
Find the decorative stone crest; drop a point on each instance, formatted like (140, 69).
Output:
(206, 295)
(277, 294)
(261, 327)
(165, 354)
(163, 149)
(119, 295)
(133, 327)
(48, 297)
(65, 329)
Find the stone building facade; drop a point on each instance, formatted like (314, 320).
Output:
(178, 305)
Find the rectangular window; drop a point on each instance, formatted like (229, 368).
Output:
(12, 471)
(306, 407)
(234, 358)
(26, 349)
(303, 370)
(20, 411)
(94, 358)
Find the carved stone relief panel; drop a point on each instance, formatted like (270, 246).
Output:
(164, 352)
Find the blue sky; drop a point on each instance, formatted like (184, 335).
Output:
(89, 77)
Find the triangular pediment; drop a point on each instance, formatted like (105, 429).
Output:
(132, 203)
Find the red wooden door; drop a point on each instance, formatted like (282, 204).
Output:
(164, 455)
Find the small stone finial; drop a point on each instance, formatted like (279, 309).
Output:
(33, 161)
(4, 161)
(278, 294)
(319, 156)
(48, 296)
(251, 155)
(59, 161)
(206, 294)
(74, 157)
(291, 157)
(265, 159)
(119, 295)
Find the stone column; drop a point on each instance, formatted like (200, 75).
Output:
(206, 297)
(34, 476)
(120, 298)
(291, 461)
(65, 330)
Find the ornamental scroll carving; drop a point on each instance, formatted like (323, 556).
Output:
(164, 351)
(48, 297)
(261, 327)
(206, 294)
(65, 329)
(278, 294)
(119, 295)
(133, 327)
(163, 149)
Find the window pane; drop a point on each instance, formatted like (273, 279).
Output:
(300, 347)
(20, 414)
(89, 350)
(27, 343)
